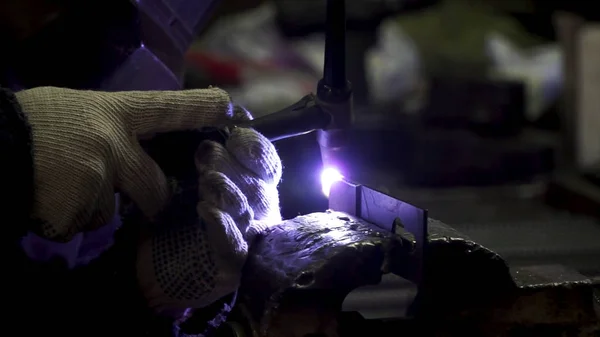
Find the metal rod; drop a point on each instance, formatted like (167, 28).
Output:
(298, 119)
(334, 69)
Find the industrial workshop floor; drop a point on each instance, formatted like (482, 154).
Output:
(509, 220)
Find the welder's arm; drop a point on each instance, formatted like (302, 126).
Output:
(237, 184)
(83, 146)
(16, 167)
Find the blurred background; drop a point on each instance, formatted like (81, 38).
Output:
(483, 111)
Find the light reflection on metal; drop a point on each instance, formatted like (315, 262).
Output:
(329, 176)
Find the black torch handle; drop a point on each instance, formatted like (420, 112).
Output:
(334, 67)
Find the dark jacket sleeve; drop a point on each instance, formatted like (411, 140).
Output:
(16, 167)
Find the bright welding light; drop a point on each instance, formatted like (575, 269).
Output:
(329, 176)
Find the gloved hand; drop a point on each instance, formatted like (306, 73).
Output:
(85, 145)
(194, 263)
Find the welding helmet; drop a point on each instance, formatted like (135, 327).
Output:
(110, 45)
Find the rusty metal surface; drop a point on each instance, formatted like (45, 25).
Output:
(315, 258)
(299, 273)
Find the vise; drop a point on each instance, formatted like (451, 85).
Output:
(299, 273)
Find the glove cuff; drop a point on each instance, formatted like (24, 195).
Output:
(204, 322)
(16, 168)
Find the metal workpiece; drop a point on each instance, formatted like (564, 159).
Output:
(388, 214)
(299, 273)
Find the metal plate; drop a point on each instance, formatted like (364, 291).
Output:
(383, 211)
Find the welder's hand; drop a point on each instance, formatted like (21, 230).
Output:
(203, 261)
(85, 145)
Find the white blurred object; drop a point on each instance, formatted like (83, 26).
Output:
(392, 66)
(274, 75)
(312, 50)
(540, 69)
(251, 35)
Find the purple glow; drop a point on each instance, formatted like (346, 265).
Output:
(329, 176)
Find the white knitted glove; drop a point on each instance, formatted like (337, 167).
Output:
(85, 145)
(193, 265)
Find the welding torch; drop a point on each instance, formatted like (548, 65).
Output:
(329, 112)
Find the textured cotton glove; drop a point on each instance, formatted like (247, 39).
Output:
(195, 263)
(85, 145)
